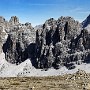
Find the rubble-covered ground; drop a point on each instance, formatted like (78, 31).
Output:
(77, 81)
(25, 69)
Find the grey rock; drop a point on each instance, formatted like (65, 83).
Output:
(56, 43)
(58, 34)
(18, 44)
(14, 20)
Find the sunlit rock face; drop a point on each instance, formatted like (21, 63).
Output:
(3, 34)
(14, 20)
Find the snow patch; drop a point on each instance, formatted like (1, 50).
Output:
(88, 28)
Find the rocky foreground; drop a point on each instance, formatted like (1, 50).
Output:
(78, 81)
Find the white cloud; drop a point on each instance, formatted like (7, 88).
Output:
(76, 9)
(84, 12)
(79, 10)
(39, 4)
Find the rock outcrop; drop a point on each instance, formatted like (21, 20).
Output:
(56, 43)
(14, 20)
(62, 42)
(20, 41)
(3, 34)
(86, 24)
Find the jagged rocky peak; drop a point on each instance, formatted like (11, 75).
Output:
(56, 43)
(20, 38)
(53, 42)
(15, 39)
(86, 21)
(86, 24)
(2, 32)
(61, 29)
(27, 24)
(3, 23)
(71, 27)
(3, 36)
(14, 20)
(2, 19)
(50, 22)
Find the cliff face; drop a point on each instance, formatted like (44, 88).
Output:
(19, 40)
(62, 42)
(56, 43)
(3, 34)
(54, 40)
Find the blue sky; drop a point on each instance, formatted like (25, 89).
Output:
(37, 11)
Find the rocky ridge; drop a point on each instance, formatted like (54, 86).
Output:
(56, 43)
(62, 42)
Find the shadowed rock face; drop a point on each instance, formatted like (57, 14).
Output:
(86, 22)
(56, 43)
